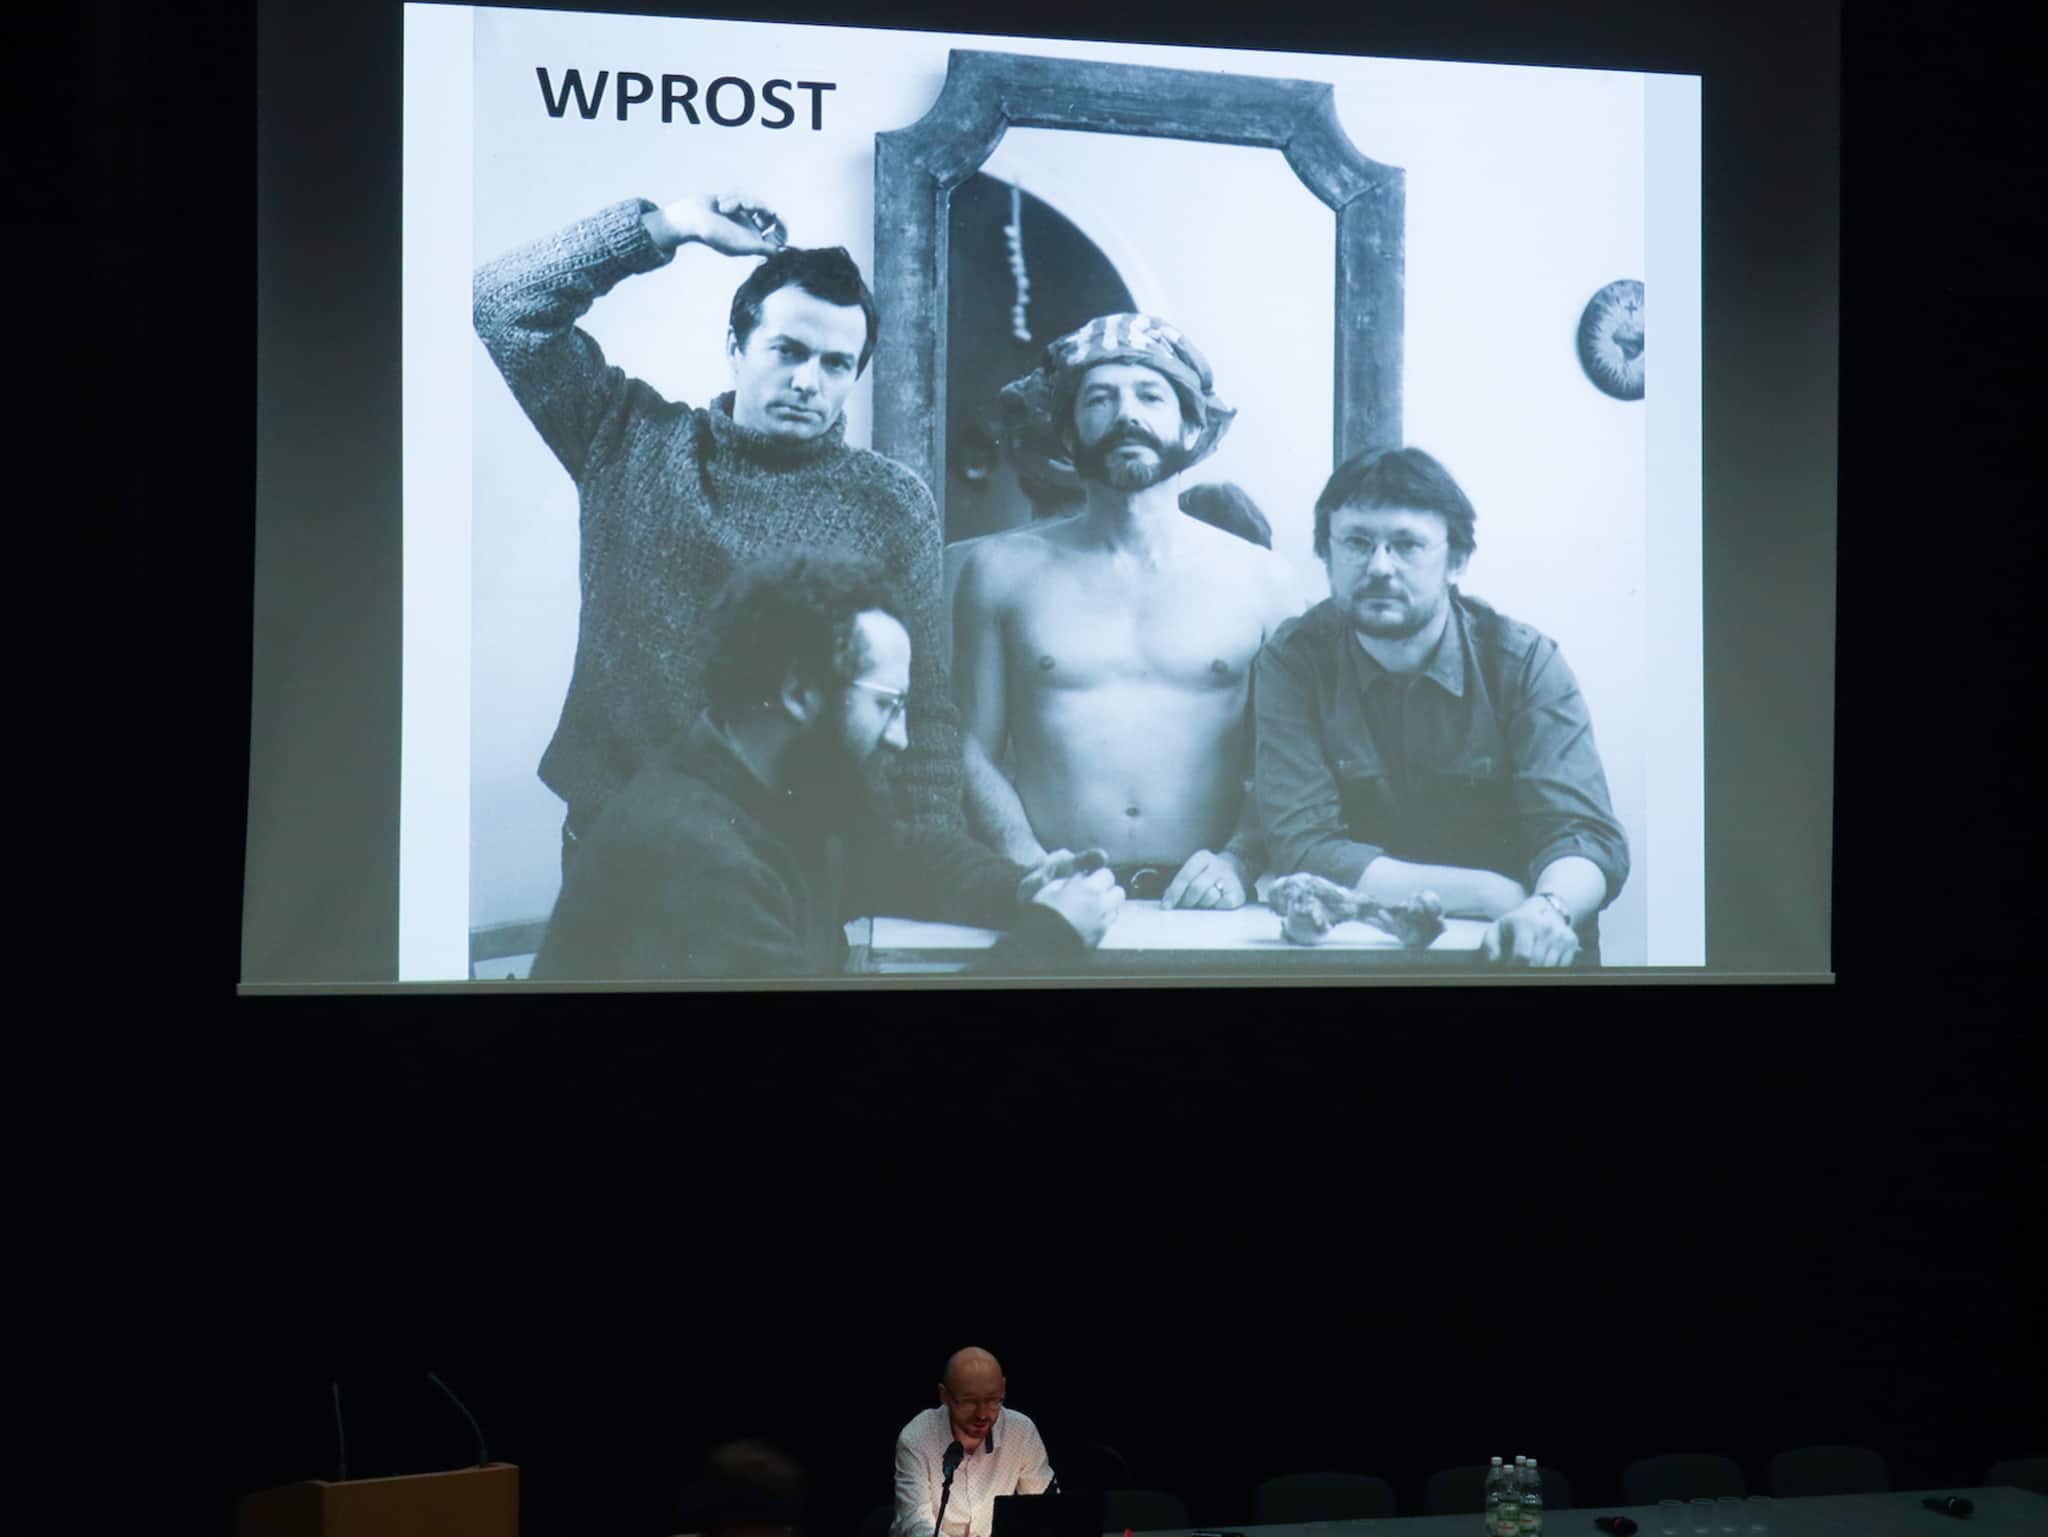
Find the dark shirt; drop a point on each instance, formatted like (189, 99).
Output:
(1484, 759)
(696, 869)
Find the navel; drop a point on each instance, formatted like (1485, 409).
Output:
(1046, 664)
(1131, 811)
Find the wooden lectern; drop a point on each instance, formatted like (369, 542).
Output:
(467, 1502)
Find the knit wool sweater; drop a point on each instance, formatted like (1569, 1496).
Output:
(673, 499)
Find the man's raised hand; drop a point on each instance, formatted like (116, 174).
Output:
(731, 223)
(1207, 880)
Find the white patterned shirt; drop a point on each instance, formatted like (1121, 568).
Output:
(1011, 1461)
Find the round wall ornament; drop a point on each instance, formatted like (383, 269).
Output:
(1611, 339)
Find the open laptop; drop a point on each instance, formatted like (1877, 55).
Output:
(1070, 1513)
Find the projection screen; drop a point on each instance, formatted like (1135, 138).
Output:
(1314, 261)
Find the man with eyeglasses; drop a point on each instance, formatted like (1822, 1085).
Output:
(1410, 738)
(1001, 1453)
(741, 851)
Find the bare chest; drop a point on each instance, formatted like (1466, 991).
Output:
(1084, 629)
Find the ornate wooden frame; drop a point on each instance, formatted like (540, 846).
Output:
(986, 94)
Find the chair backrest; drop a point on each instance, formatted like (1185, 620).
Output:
(1827, 1470)
(2018, 1473)
(1143, 1510)
(1455, 1491)
(1462, 1491)
(1681, 1476)
(1293, 1498)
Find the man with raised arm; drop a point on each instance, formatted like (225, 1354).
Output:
(1412, 739)
(1110, 651)
(1000, 1453)
(674, 498)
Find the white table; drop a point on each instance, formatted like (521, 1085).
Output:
(1999, 1513)
(1149, 940)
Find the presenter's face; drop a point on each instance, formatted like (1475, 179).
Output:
(1390, 569)
(792, 377)
(973, 1400)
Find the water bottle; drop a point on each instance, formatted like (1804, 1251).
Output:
(1529, 1522)
(1497, 1501)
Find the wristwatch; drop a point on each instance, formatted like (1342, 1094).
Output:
(1562, 911)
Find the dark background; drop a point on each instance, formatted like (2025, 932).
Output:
(1228, 1233)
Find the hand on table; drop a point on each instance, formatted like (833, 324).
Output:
(1534, 934)
(1058, 866)
(1089, 903)
(1216, 881)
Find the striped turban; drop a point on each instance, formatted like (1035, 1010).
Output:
(1038, 409)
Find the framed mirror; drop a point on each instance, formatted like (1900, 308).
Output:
(919, 170)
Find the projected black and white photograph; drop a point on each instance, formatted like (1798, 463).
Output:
(891, 505)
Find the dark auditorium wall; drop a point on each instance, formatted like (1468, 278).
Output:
(1227, 1234)
(1428, 1232)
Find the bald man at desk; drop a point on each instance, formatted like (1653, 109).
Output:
(1001, 1453)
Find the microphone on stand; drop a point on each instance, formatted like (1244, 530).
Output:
(949, 1464)
(483, 1454)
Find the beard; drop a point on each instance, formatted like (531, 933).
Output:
(1091, 461)
(1411, 618)
(840, 787)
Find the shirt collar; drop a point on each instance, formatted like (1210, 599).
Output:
(1446, 665)
(989, 1442)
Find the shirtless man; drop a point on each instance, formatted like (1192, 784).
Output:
(1111, 650)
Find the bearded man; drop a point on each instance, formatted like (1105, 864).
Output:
(1109, 652)
(736, 851)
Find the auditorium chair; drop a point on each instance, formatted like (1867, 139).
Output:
(1294, 1498)
(1827, 1470)
(1143, 1510)
(1681, 1476)
(2018, 1473)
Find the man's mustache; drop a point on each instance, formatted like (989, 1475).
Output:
(1130, 433)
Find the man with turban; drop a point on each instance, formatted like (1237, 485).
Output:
(1110, 651)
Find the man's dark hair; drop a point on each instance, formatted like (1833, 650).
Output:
(743, 1484)
(824, 272)
(1223, 504)
(791, 613)
(1397, 477)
